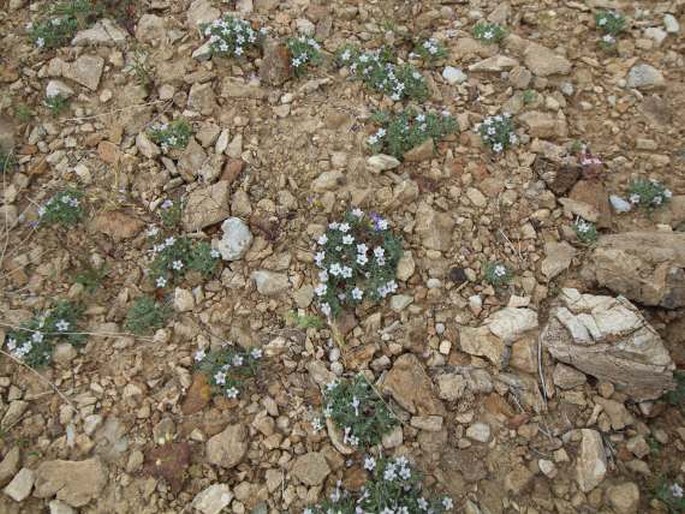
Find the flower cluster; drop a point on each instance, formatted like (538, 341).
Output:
(64, 208)
(648, 193)
(357, 260)
(174, 256)
(379, 71)
(673, 495)
(60, 25)
(394, 487)
(497, 274)
(229, 36)
(610, 24)
(585, 231)
(34, 340)
(401, 132)
(171, 136)
(489, 33)
(357, 411)
(227, 367)
(305, 51)
(497, 132)
(431, 50)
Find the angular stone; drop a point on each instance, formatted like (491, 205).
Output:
(482, 343)
(13, 414)
(311, 468)
(544, 124)
(207, 206)
(20, 486)
(453, 75)
(270, 283)
(228, 448)
(494, 64)
(410, 386)
(480, 432)
(591, 466)
(382, 162)
(236, 239)
(625, 350)
(9, 465)
(275, 68)
(648, 267)
(593, 192)
(146, 146)
(201, 98)
(645, 76)
(151, 29)
(451, 386)
(624, 498)
(200, 12)
(74, 482)
(86, 70)
(434, 228)
(57, 88)
(511, 323)
(328, 181)
(213, 499)
(198, 396)
(191, 160)
(558, 258)
(544, 62)
(566, 377)
(118, 225)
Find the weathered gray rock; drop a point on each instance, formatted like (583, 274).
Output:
(382, 162)
(566, 377)
(146, 146)
(608, 338)
(544, 62)
(495, 63)
(453, 75)
(74, 482)
(624, 498)
(201, 11)
(213, 499)
(479, 431)
(206, 206)
(228, 448)
(311, 468)
(20, 486)
(451, 386)
(105, 32)
(151, 29)
(591, 466)
(58, 88)
(645, 76)
(270, 283)
(201, 98)
(434, 228)
(184, 301)
(647, 267)
(544, 124)
(9, 465)
(236, 239)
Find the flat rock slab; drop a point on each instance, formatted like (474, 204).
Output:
(74, 482)
(410, 386)
(207, 206)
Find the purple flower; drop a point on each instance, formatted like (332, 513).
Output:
(378, 222)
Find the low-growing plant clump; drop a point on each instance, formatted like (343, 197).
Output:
(610, 24)
(57, 104)
(585, 231)
(171, 212)
(174, 256)
(33, 342)
(60, 23)
(649, 194)
(393, 487)
(174, 135)
(399, 133)
(227, 367)
(497, 274)
(672, 495)
(489, 33)
(431, 50)
(305, 52)
(357, 260)
(357, 411)
(64, 208)
(231, 37)
(497, 132)
(146, 315)
(7, 161)
(379, 71)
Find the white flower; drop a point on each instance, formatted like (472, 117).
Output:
(323, 276)
(677, 491)
(422, 503)
(513, 139)
(382, 224)
(357, 294)
(177, 265)
(362, 259)
(41, 211)
(40, 42)
(62, 325)
(372, 140)
(379, 252)
(348, 239)
(335, 269)
(405, 473)
(447, 503)
(232, 392)
(346, 55)
(489, 34)
(602, 21)
(668, 193)
(497, 147)
(214, 253)
(369, 463)
(346, 272)
(160, 282)
(395, 97)
(317, 424)
(11, 344)
(319, 257)
(321, 289)
(333, 225)
(169, 241)
(499, 270)
(326, 309)
(634, 198)
(220, 377)
(237, 360)
(389, 473)
(37, 337)
(152, 231)
(355, 403)
(608, 38)
(421, 118)
(344, 227)
(256, 353)
(199, 355)
(357, 213)
(239, 50)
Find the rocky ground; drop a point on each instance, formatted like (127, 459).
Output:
(547, 395)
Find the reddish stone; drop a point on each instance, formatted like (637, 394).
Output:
(109, 152)
(198, 396)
